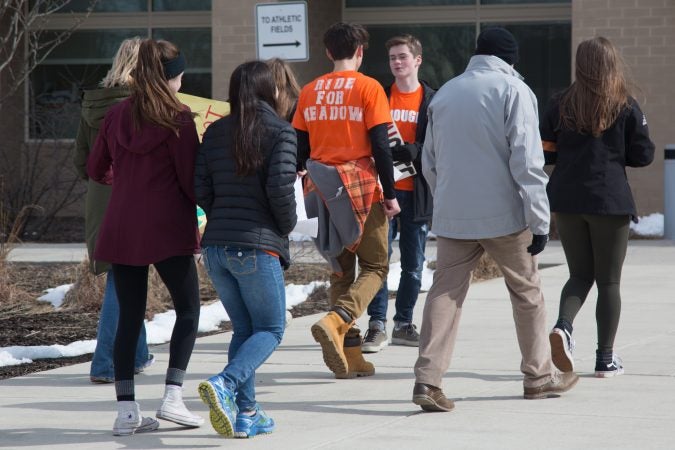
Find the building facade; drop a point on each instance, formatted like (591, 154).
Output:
(217, 35)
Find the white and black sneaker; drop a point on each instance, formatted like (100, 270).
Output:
(374, 340)
(607, 370)
(562, 347)
(130, 421)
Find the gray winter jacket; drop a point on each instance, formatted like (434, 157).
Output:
(338, 227)
(483, 156)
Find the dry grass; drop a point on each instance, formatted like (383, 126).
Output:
(13, 299)
(87, 294)
(485, 270)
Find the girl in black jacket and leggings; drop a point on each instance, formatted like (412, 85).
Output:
(591, 132)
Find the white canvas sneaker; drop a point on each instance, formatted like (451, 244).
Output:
(129, 420)
(174, 410)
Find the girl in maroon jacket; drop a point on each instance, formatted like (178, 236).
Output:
(146, 149)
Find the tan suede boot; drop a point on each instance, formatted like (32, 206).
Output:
(357, 366)
(330, 333)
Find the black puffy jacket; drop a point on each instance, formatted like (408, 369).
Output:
(255, 211)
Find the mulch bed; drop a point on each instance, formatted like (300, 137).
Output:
(41, 325)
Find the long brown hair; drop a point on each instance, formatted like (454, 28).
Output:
(251, 83)
(287, 87)
(153, 99)
(600, 92)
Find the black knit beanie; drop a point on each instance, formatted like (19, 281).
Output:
(498, 42)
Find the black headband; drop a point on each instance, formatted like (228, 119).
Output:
(174, 67)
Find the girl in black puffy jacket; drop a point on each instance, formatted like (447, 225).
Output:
(244, 177)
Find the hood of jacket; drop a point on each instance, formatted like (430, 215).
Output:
(140, 140)
(96, 102)
(489, 62)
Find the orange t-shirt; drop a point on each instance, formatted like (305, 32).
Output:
(405, 107)
(337, 110)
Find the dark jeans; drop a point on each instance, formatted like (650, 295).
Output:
(179, 274)
(595, 248)
(412, 242)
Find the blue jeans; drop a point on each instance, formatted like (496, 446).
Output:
(412, 242)
(250, 284)
(102, 362)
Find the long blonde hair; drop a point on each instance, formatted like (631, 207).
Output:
(600, 91)
(123, 63)
(287, 85)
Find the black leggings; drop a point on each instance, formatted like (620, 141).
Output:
(179, 274)
(595, 248)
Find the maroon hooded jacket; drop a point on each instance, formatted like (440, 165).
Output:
(151, 215)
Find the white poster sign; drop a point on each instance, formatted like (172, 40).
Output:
(281, 31)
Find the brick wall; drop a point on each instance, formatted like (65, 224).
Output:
(644, 32)
(234, 36)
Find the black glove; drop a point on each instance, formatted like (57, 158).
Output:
(538, 243)
(404, 152)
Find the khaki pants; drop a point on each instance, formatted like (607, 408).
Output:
(353, 293)
(443, 308)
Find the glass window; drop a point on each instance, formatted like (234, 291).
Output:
(57, 83)
(106, 6)
(510, 2)
(545, 57)
(181, 5)
(446, 49)
(371, 3)
(195, 44)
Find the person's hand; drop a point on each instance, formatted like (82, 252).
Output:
(538, 243)
(404, 152)
(301, 173)
(198, 258)
(391, 207)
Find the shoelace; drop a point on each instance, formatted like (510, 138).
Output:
(616, 361)
(371, 335)
(570, 342)
(410, 329)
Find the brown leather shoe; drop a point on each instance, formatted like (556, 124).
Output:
(559, 383)
(431, 398)
(356, 365)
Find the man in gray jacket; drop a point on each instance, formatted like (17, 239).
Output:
(484, 161)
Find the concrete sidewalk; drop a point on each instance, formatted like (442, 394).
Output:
(60, 409)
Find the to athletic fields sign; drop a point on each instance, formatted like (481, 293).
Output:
(281, 31)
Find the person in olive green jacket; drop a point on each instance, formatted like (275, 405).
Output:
(95, 104)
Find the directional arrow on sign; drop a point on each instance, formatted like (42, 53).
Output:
(283, 44)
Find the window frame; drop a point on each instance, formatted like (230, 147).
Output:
(145, 20)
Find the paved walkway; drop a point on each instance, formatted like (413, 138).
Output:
(60, 409)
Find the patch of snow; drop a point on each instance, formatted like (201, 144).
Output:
(55, 295)
(651, 225)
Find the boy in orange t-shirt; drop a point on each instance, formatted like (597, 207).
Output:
(408, 100)
(342, 117)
